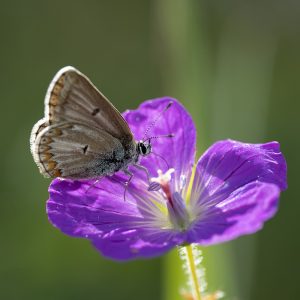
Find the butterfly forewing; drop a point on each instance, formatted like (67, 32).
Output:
(73, 97)
(82, 134)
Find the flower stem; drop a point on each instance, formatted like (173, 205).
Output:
(191, 256)
(193, 273)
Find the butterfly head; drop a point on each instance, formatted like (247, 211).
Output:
(144, 147)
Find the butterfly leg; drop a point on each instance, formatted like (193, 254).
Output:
(153, 186)
(127, 172)
(92, 185)
(143, 169)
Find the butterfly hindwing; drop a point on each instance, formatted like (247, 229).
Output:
(71, 150)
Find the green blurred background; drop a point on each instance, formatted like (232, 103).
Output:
(234, 64)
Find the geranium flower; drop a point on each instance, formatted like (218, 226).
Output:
(231, 191)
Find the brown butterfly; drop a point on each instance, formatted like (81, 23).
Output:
(82, 134)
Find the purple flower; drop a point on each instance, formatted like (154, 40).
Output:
(231, 191)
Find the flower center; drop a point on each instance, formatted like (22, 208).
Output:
(177, 211)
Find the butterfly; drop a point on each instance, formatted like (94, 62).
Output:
(82, 134)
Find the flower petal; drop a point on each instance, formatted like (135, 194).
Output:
(228, 165)
(80, 209)
(129, 229)
(137, 244)
(178, 151)
(243, 212)
(235, 189)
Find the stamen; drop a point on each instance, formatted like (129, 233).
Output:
(182, 182)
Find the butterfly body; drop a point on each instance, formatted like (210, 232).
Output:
(82, 134)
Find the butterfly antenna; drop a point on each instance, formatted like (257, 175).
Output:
(170, 135)
(156, 119)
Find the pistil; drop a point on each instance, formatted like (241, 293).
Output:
(163, 180)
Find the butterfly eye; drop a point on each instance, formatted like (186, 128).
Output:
(143, 149)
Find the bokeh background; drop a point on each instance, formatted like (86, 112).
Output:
(234, 64)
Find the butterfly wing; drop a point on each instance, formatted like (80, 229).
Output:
(73, 100)
(71, 96)
(76, 151)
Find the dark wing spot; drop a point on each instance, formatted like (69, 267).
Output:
(85, 148)
(95, 111)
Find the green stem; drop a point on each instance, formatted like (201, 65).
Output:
(193, 273)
